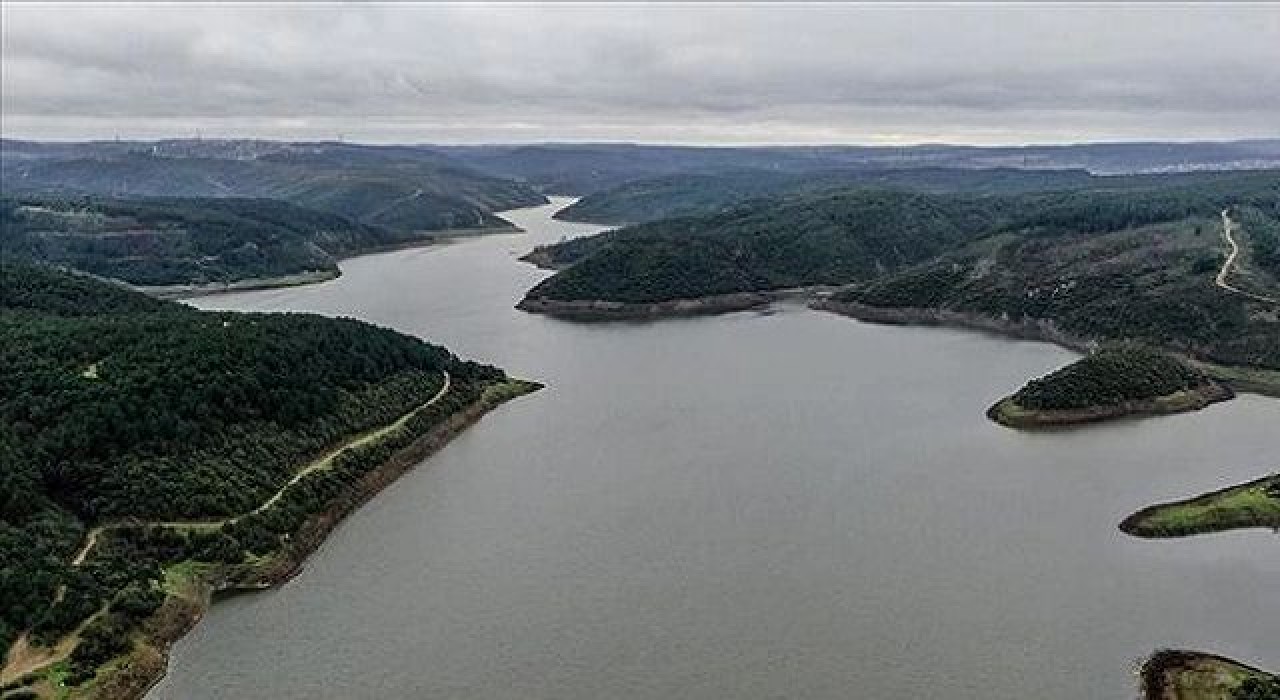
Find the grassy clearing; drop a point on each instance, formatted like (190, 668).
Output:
(183, 578)
(1255, 504)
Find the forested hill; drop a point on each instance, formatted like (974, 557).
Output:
(1096, 271)
(1133, 263)
(584, 168)
(115, 407)
(767, 244)
(673, 196)
(180, 240)
(401, 188)
(40, 290)
(1110, 376)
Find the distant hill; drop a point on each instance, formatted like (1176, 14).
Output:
(1137, 262)
(694, 195)
(830, 238)
(640, 201)
(182, 241)
(403, 188)
(581, 169)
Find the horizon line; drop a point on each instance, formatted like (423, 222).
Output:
(641, 143)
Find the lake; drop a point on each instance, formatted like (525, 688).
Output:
(780, 504)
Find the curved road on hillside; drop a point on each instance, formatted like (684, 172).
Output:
(24, 659)
(323, 462)
(1228, 226)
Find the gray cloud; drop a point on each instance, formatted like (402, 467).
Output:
(663, 72)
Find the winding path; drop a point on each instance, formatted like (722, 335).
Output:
(1228, 226)
(323, 462)
(24, 658)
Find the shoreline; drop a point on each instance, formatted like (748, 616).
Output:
(1163, 673)
(601, 310)
(539, 258)
(1138, 524)
(1041, 330)
(1241, 379)
(589, 310)
(583, 220)
(1008, 413)
(132, 676)
(178, 292)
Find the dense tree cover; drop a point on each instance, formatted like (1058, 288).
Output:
(581, 169)
(1151, 200)
(1112, 375)
(175, 241)
(701, 194)
(1262, 232)
(846, 236)
(150, 410)
(1152, 284)
(402, 188)
(1257, 689)
(767, 244)
(43, 290)
(182, 240)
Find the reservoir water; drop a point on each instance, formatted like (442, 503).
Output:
(787, 504)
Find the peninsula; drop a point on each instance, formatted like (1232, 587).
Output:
(1117, 380)
(1254, 504)
(153, 455)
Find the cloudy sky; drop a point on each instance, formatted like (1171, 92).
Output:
(694, 73)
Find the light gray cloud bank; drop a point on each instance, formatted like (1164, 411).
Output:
(997, 73)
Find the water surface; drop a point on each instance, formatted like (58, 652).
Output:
(751, 506)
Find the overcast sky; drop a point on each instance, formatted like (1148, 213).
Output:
(709, 73)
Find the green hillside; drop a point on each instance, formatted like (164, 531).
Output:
(673, 196)
(701, 194)
(399, 188)
(1137, 262)
(767, 244)
(1110, 376)
(128, 410)
(181, 240)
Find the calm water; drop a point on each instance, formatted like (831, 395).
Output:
(750, 506)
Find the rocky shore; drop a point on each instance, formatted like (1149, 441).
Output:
(1007, 412)
(1029, 329)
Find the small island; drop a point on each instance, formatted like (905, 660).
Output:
(1191, 675)
(1255, 504)
(1117, 380)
